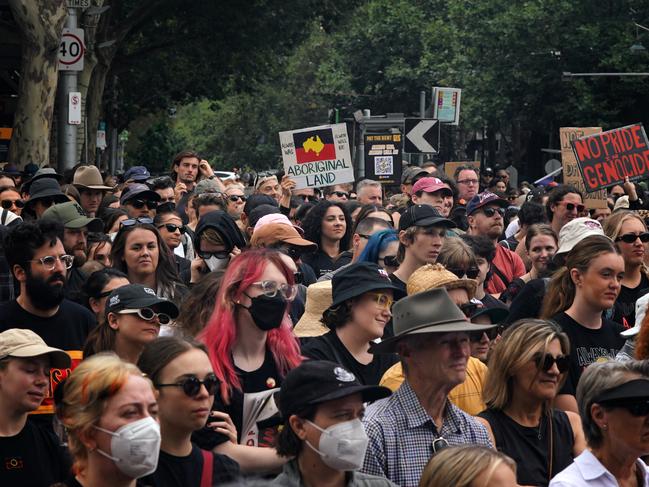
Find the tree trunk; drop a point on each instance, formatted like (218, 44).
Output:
(94, 103)
(41, 25)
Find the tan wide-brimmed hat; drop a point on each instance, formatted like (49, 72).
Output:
(318, 299)
(89, 177)
(432, 276)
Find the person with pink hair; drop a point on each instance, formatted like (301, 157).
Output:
(252, 347)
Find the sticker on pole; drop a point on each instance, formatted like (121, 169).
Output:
(71, 50)
(317, 156)
(607, 158)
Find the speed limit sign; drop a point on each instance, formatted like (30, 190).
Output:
(71, 50)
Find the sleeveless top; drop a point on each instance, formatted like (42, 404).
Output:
(528, 446)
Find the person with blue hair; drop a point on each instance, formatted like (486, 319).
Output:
(382, 249)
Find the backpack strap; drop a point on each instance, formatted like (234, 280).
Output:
(208, 468)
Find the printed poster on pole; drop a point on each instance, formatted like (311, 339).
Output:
(317, 156)
(571, 173)
(446, 104)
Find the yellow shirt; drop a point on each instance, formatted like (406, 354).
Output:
(467, 396)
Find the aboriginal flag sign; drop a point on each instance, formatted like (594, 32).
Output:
(317, 156)
(607, 158)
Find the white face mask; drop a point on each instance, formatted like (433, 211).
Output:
(343, 445)
(135, 447)
(215, 264)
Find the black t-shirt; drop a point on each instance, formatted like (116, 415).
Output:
(33, 458)
(264, 378)
(588, 346)
(490, 302)
(73, 284)
(320, 262)
(187, 471)
(329, 347)
(67, 330)
(400, 293)
(624, 308)
(528, 301)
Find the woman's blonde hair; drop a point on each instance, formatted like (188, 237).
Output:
(459, 466)
(519, 344)
(85, 394)
(613, 224)
(561, 290)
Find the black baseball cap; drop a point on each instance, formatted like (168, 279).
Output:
(137, 296)
(137, 190)
(255, 200)
(423, 216)
(631, 391)
(317, 381)
(358, 278)
(496, 315)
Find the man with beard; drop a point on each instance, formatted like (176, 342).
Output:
(40, 264)
(485, 214)
(75, 241)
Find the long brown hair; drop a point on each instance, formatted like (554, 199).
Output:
(561, 290)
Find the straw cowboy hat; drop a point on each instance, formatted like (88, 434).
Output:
(432, 276)
(89, 177)
(318, 299)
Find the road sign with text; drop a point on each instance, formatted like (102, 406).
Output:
(71, 50)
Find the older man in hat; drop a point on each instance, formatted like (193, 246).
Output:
(431, 336)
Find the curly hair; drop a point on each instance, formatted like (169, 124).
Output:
(312, 223)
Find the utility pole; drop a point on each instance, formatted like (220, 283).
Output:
(422, 115)
(67, 132)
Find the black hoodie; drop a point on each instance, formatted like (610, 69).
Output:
(224, 225)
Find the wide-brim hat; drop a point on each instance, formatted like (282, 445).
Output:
(89, 177)
(23, 343)
(431, 311)
(44, 172)
(430, 276)
(318, 300)
(45, 188)
(357, 279)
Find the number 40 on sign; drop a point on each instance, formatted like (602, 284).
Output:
(71, 50)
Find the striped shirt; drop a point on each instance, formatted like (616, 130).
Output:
(401, 435)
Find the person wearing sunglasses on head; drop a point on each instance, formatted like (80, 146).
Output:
(185, 383)
(322, 432)
(11, 200)
(252, 347)
(565, 203)
(133, 317)
(613, 400)
(485, 214)
(629, 232)
(139, 201)
(526, 370)
(362, 298)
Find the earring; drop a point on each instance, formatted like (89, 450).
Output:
(604, 427)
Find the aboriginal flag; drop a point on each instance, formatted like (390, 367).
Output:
(314, 145)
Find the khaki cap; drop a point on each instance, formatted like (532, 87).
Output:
(22, 343)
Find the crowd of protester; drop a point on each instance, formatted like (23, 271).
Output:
(186, 330)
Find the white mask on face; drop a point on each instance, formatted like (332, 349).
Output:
(135, 447)
(215, 264)
(342, 446)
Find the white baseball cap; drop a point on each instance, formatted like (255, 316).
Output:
(575, 231)
(640, 311)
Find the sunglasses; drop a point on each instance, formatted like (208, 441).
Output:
(147, 314)
(545, 362)
(439, 444)
(632, 237)
(129, 222)
(171, 228)
(572, 206)
(471, 272)
(468, 309)
(635, 408)
(489, 212)
(340, 194)
(208, 255)
(235, 197)
(191, 385)
(7, 204)
(390, 261)
(139, 204)
(492, 334)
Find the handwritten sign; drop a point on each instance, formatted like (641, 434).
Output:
(571, 172)
(451, 166)
(317, 156)
(607, 158)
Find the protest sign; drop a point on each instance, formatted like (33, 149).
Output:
(446, 104)
(607, 158)
(571, 173)
(317, 156)
(383, 157)
(451, 166)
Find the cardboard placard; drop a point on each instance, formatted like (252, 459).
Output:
(571, 172)
(317, 156)
(383, 157)
(450, 167)
(607, 158)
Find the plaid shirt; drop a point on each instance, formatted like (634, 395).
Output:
(402, 433)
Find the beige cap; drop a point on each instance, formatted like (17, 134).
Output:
(622, 203)
(575, 231)
(21, 343)
(431, 276)
(89, 177)
(318, 299)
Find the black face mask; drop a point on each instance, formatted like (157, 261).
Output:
(267, 312)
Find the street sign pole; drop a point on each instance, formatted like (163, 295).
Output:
(67, 132)
(422, 115)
